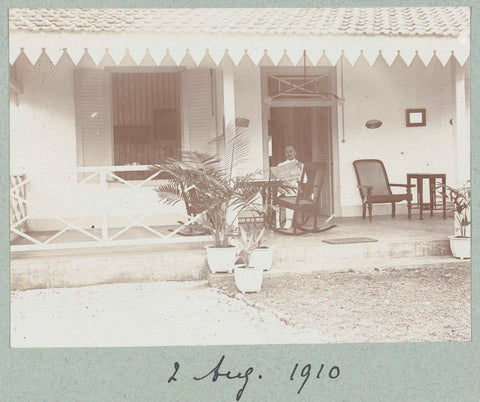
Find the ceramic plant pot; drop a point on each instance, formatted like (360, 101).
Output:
(460, 247)
(248, 279)
(221, 259)
(262, 257)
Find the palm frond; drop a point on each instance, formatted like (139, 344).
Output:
(237, 144)
(169, 193)
(207, 183)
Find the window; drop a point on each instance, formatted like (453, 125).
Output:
(146, 119)
(143, 115)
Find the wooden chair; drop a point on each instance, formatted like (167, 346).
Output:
(375, 188)
(193, 206)
(306, 202)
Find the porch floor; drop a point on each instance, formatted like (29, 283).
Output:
(382, 228)
(398, 240)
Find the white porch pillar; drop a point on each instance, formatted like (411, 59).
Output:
(461, 123)
(229, 111)
(229, 126)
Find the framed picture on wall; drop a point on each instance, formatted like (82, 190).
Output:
(416, 117)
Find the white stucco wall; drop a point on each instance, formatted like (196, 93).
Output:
(43, 128)
(384, 93)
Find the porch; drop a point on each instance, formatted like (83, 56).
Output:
(400, 242)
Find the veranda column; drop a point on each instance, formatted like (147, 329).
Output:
(461, 123)
(229, 114)
(229, 125)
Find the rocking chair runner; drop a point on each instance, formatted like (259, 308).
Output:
(375, 188)
(307, 200)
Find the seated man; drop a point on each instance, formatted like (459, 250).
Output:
(290, 172)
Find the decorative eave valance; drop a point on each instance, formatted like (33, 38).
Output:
(15, 86)
(212, 50)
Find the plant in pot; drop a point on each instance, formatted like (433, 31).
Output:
(248, 277)
(218, 195)
(262, 255)
(460, 202)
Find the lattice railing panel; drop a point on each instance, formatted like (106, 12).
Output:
(18, 207)
(100, 206)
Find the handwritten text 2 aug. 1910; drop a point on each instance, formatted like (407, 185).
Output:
(305, 373)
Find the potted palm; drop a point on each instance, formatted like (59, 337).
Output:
(262, 255)
(248, 277)
(217, 193)
(460, 202)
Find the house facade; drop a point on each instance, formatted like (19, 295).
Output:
(99, 95)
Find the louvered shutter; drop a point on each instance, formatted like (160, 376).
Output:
(93, 120)
(199, 102)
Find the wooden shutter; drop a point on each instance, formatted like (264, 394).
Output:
(93, 119)
(199, 110)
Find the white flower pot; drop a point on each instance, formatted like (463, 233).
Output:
(262, 258)
(460, 247)
(221, 259)
(248, 279)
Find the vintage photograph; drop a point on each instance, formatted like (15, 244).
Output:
(239, 176)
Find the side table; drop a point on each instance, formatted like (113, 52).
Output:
(432, 181)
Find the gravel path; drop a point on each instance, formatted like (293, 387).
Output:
(150, 314)
(395, 305)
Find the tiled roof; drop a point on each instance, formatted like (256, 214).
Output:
(410, 21)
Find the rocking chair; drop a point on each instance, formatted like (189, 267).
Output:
(375, 188)
(306, 202)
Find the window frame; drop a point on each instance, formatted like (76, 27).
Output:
(139, 70)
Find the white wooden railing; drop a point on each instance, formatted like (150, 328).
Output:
(88, 193)
(18, 208)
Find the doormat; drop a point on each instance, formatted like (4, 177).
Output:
(349, 240)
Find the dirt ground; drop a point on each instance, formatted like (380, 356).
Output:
(395, 305)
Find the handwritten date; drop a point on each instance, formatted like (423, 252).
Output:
(217, 372)
(306, 371)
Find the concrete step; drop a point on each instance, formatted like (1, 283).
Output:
(179, 263)
(333, 256)
(188, 261)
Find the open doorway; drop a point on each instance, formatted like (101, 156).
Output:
(309, 130)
